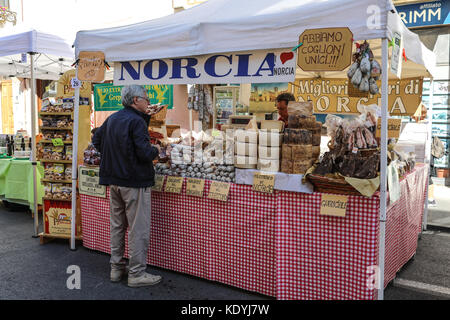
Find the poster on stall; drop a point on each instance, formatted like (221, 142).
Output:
(263, 96)
(331, 96)
(108, 97)
(89, 182)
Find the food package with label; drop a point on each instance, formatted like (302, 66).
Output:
(246, 149)
(58, 172)
(286, 166)
(67, 105)
(57, 153)
(270, 138)
(269, 165)
(272, 153)
(245, 162)
(301, 166)
(66, 192)
(248, 136)
(48, 190)
(48, 171)
(68, 153)
(297, 136)
(47, 152)
(68, 173)
(57, 190)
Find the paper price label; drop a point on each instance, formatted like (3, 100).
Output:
(58, 142)
(159, 182)
(219, 191)
(194, 187)
(263, 182)
(333, 205)
(75, 83)
(174, 184)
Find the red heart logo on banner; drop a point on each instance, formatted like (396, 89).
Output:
(286, 56)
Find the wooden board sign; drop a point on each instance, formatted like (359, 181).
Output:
(326, 49)
(194, 187)
(263, 182)
(174, 184)
(91, 66)
(333, 205)
(394, 126)
(159, 182)
(219, 191)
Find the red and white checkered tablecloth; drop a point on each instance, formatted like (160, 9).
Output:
(278, 245)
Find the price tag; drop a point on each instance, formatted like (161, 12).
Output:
(75, 83)
(219, 191)
(174, 184)
(58, 142)
(159, 181)
(333, 205)
(194, 187)
(263, 182)
(394, 126)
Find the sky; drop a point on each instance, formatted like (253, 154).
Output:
(66, 17)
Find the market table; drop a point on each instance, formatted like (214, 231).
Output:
(274, 244)
(16, 181)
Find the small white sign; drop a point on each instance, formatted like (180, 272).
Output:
(75, 83)
(396, 57)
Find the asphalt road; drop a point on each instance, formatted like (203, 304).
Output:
(33, 271)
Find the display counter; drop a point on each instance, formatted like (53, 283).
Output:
(274, 244)
(16, 181)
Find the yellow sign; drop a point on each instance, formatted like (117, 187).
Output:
(174, 184)
(333, 205)
(219, 191)
(194, 187)
(327, 49)
(159, 181)
(394, 126)
(91, 66)
(331, 96)
(64, 87)
(263, 182)
(59, 221)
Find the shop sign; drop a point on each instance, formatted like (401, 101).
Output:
(394, 126)
(89, 182)
(219, 191)
(59, 220)
(333, 205)
(64, 87)
(325, 49)
(331, 96)
(194, 187)
(423, 14)
(108, 97)
(260, 66)
(159, 181)
(263, 182)
(174, 184)
(91, 66)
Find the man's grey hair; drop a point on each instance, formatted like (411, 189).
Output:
(129, 92)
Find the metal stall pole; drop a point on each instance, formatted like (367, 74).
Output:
(33, 143)
(383, 164)
(428, 155)
(74, 164)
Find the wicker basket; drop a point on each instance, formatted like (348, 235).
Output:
(331, 185)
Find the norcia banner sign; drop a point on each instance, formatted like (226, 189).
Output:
(240, 67)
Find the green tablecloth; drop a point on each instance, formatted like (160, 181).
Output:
(16, 181)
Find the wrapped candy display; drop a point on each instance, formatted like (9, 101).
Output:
(365, 70)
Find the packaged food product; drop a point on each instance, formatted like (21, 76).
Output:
(270, 138)
(68, 173)
(57, 153)
(269, 165)
(57, 190)
(48, 190)
(301, 151)
(245, 162)
(48, 171)
(69, 136)
(286, 166)
(68, 153)
(59, 173)
(47, 135)
(47, 154)
(272, 153)
(246, 149)
(248, 136)
(66, 192)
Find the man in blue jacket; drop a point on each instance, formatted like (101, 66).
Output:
(126, 167)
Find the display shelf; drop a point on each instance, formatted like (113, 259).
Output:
(51, 199)
(45, 237)
(56, 181)
(55, 161)
(50, 141)
(55, 128)
(55, 113)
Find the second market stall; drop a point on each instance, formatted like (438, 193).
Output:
(266, 234)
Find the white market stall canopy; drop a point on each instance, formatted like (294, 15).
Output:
(220, 26)
(53, 57)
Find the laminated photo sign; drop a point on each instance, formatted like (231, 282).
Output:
(327, 49)
(333, 205)
(194, 187)
(263, 182)
(91, 66)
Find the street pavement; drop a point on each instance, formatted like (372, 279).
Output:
(33, 271)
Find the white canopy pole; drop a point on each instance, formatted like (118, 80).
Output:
(428, 155)
(33, 143)
(383, 164)
(74, 165)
